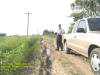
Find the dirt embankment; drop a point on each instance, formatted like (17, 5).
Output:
(61, 63)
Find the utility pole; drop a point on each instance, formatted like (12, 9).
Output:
(28, 22)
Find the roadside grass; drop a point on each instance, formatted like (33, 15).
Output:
(50, 36)
(14, 52)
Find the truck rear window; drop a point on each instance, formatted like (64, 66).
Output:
(94, 24)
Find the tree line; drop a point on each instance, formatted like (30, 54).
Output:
(2, 34)
(49, 32)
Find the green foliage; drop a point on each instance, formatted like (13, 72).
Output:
(47, 32)
(77, 16)
(50, 36)
(14, 50)
(87, 6)
(71, 28)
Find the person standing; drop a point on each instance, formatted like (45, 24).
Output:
(59, 43)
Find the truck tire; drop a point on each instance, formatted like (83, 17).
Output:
(95, 61)
(66, 49)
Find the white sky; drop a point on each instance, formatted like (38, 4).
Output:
(46, 14)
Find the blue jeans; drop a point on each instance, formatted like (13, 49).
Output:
(59, 42)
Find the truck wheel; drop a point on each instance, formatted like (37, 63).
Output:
(95, 61)
(66, 49)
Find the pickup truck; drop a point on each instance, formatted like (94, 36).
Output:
(85, 40)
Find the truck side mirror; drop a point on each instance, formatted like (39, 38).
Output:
(81, 30)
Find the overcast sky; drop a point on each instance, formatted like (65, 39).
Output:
(46, 14)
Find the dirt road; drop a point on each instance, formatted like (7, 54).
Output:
(66, 64)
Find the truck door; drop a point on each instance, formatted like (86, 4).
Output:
(80, 38)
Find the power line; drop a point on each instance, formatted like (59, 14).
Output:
(28, 22)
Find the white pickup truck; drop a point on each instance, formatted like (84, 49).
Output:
(85, 40)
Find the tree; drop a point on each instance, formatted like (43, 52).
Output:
(77, 16)
(87, 6)
(45, 32)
